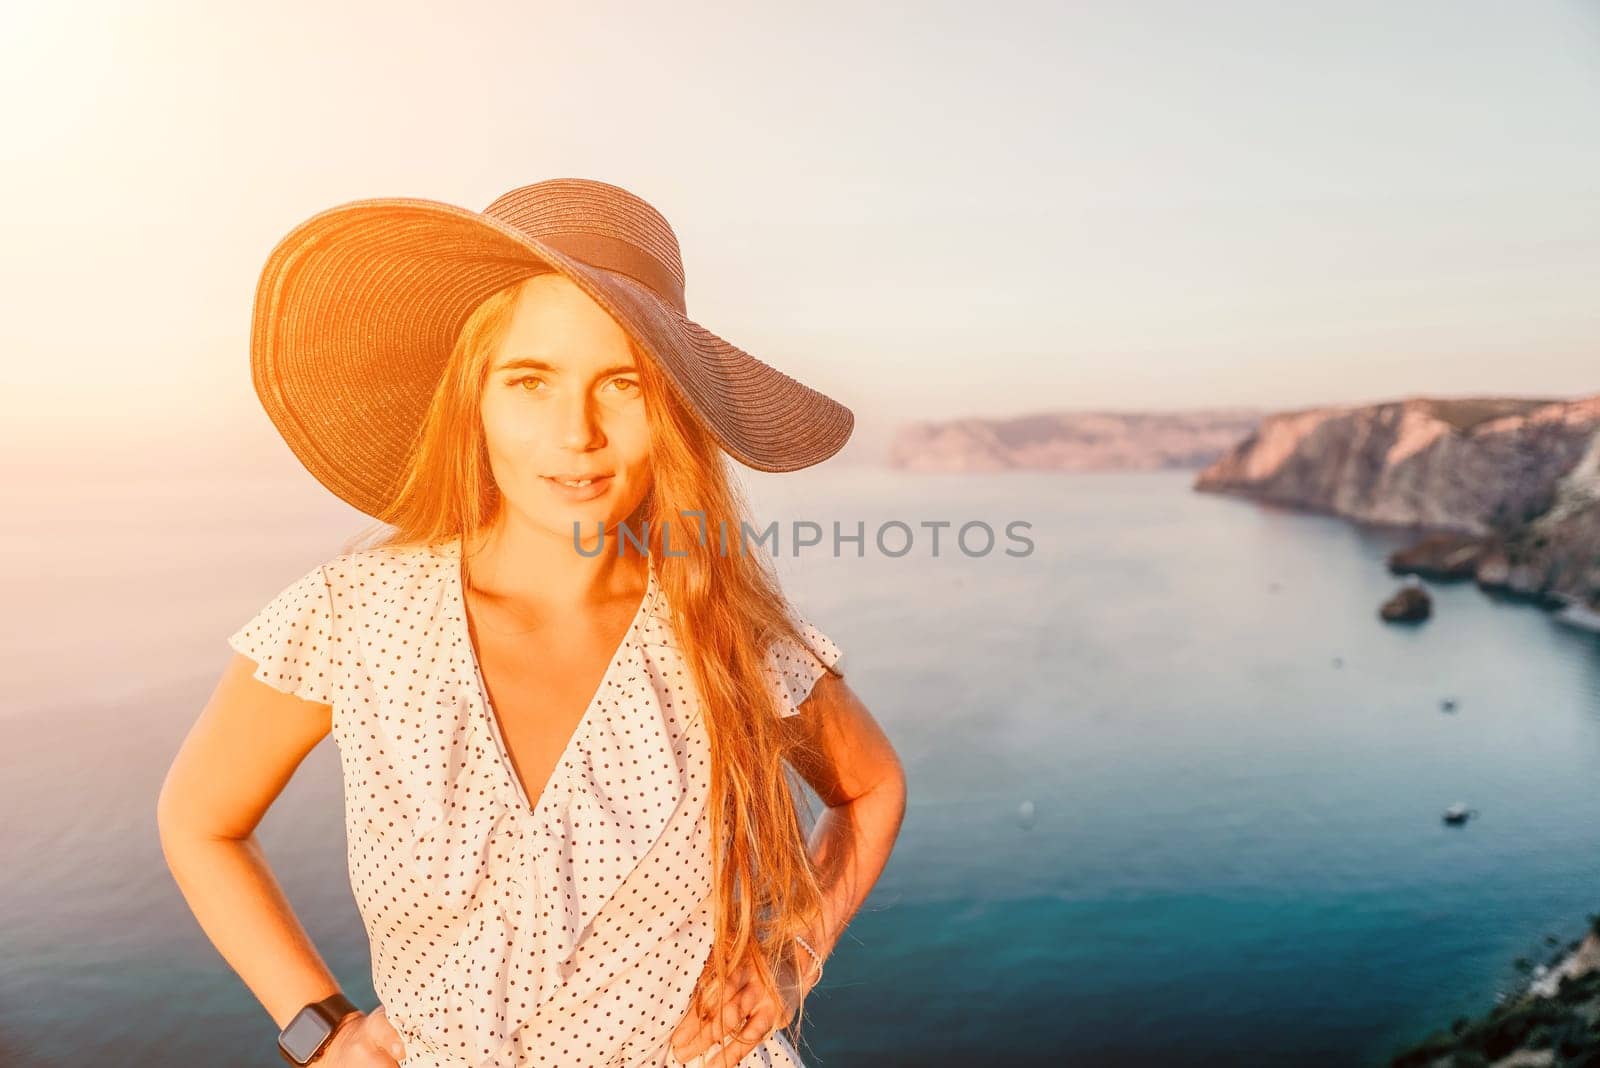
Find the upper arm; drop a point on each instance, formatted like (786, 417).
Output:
(240, 753)
(271, 707)
(836, 745)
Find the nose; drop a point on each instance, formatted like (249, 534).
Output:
(580, 424)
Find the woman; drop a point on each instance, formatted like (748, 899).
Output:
(563, 695)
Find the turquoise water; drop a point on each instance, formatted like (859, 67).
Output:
(1235, 772)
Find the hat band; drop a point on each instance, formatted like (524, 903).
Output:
(612, 254)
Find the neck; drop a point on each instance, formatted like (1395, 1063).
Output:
(512, 562)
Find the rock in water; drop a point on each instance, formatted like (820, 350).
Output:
(1410, 605)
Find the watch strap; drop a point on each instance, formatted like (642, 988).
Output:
(336, 1007)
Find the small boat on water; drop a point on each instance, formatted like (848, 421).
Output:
(1457, 813)
(1025, 814)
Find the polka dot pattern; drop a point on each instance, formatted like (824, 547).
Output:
(506, 931)
(793, 670)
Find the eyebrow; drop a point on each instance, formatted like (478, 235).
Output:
(531, 364)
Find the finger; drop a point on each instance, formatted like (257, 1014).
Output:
(752, 1034)
(716, 1027)
(692, 1036)
(708, 997)
(721, 1016)
(685, 1038)
(692, 1022)
(718, 987)
(731, 1015)
(751, 999)
(742, 1017)
(680, 1034)
(702, 1033)
(711, 1016)
(384, 1035)
(724, 1055)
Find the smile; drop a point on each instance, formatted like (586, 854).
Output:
(579, 489)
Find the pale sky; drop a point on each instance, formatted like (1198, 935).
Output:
(927, 210)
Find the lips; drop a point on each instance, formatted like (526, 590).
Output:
(576, 489)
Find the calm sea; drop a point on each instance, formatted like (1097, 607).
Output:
(1174, 790)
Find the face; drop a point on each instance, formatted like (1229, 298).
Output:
(563, 402)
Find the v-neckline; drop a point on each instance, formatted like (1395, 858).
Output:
(491, 718)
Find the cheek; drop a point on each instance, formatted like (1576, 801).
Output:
(631, 438)
(508, 428)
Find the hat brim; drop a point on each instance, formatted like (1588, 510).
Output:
(358, 307)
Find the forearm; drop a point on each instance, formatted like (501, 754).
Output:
(237, 900)
(850, 845)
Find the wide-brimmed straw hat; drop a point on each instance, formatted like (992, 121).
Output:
(359, 306)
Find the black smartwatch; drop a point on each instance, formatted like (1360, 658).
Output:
(312, 1028)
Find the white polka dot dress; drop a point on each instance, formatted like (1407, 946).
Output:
(509, 932)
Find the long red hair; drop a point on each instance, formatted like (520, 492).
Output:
(728, 607)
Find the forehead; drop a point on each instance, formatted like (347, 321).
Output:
(558, 324)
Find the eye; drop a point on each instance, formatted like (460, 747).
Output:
(630, 386)
(524, 380)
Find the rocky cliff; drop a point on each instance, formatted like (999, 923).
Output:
(1072, 441)
(1518, 479)
(1553, 1023)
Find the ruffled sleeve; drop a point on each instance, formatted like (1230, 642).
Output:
(293, 640)
(792, 668)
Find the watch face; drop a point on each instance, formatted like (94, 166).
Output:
(305, 1034)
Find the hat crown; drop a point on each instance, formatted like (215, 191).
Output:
(582, 208)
